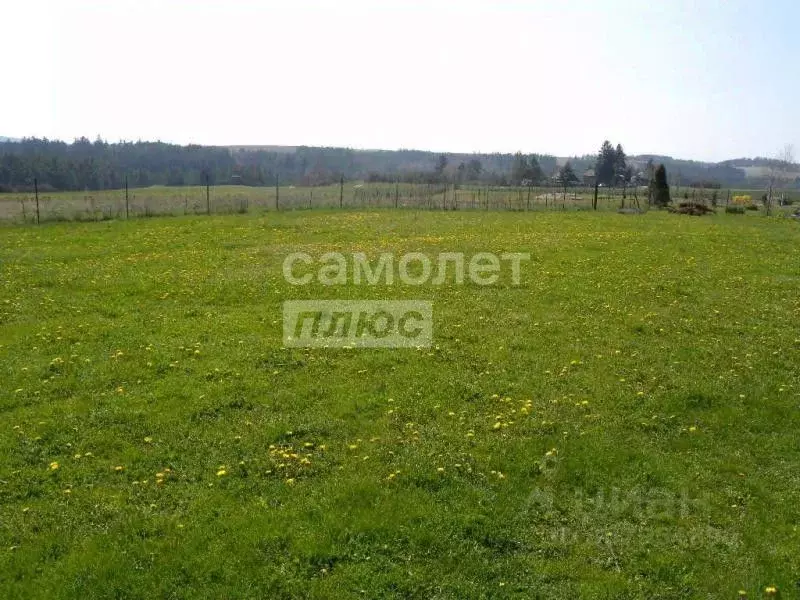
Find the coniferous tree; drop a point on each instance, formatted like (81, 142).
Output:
(659, 188)
(606, 164)
(474, 169)
(566, 175)
(441, 165)
(620, 165)
(526, 170)
(535, 173)
(518, 168)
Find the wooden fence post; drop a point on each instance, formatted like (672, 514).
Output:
(208, 196)
(36, 194)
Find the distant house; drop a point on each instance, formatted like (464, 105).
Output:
(589, 178)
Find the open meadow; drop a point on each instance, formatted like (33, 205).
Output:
(192, 200)
(99, 205)
(621, 424)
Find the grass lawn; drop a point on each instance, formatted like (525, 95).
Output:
(623, 424)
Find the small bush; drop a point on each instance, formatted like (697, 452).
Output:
(751, 207)
(735, 210)
(691, 208)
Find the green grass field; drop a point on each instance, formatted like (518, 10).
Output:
(623, 424)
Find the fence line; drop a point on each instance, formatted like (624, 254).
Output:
(206, 199)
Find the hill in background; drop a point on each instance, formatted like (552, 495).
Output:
(98, 165)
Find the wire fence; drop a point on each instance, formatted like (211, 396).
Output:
(227, 199)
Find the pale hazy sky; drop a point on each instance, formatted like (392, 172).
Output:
(701, 79)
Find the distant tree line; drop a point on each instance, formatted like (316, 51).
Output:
(98, 165)
(517, 169)
(706, 185)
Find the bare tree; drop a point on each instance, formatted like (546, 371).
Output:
(778, 172)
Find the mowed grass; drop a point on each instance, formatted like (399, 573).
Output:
(623, 424)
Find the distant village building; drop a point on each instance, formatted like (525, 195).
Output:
(589, 178)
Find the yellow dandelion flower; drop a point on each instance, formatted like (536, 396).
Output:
(222, 472)
(119, 468)
(53, 466)
(148, 440)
